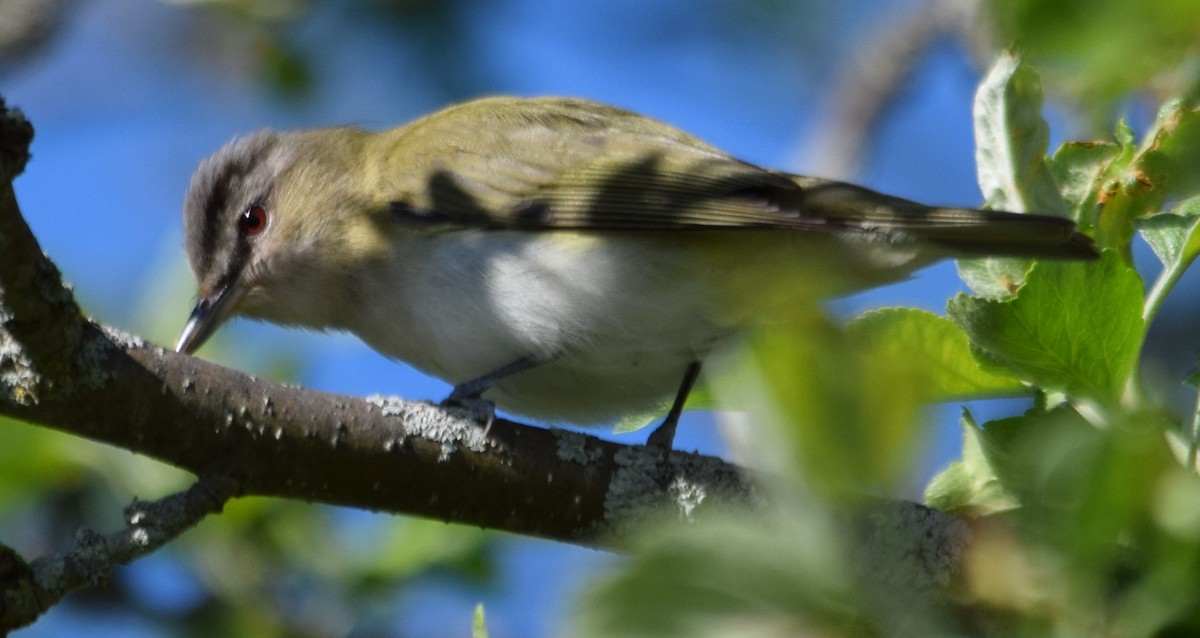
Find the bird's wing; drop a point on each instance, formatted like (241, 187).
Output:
(570, 164)
(555, 163)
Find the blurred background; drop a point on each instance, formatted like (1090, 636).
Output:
(127, 96)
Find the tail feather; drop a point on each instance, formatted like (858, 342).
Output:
(962, 231)
(985, 233)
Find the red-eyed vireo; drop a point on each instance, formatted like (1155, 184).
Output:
(566, 260)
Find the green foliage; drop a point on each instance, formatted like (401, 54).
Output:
(479, 623)
(1073, 327)
(1010, 157)
(971, 486)
(801, 378)
(1079, 169)
(783, 576)
(1086, 507)
(285, 70)
(1011, 139)
(1099, 50)
(1173, 236)
(919, 343)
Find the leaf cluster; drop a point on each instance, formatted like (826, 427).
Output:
(1085, 509)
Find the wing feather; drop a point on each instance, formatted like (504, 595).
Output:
(558, 163)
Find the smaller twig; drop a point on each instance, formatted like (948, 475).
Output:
(28, 26)
(30, 590)
(873, 81)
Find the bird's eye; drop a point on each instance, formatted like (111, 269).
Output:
(253, 221)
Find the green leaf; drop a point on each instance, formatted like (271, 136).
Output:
(39, 461)
(1071, 481)
(970, 487)
(1175, 239)
(1011, 140)
(1045, 460)
(1140, 181)
(746, 574)
(847, 417)
(1073, 327)
(701, 398)
(933, 348)
(1082, 489)
(479, 623)
(1102, 50)
(1124, 135)
(993, 277)
(1172, 236)
(1171, 153)
(1020, 449)
(286, 69)
(640, 420)
(410, 547)
(1176, 507)
(1079, 169)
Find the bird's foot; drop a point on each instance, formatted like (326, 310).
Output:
(481, 410)
(663, 436)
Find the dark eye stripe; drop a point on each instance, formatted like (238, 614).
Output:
(237, 260)
(216, 197)
(220, 187)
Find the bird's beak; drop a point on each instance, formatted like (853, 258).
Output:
(210, 312)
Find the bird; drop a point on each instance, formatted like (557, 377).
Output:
(557, 258)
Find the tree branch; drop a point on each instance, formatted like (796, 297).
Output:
(876, 77)
(32, 589)
(28, 26)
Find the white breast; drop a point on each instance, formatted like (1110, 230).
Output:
(617, 316)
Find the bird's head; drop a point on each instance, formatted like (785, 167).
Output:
(272, 223)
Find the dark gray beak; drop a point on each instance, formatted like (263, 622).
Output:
(208, 315)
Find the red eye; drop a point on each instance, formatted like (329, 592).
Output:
(253, 221)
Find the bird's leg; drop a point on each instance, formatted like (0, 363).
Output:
(475, 388)
(663, 437)
(468, 394)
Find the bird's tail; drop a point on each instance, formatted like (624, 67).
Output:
(961, 231)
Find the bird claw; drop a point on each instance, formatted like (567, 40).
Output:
(663, 436)
(480, 409)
